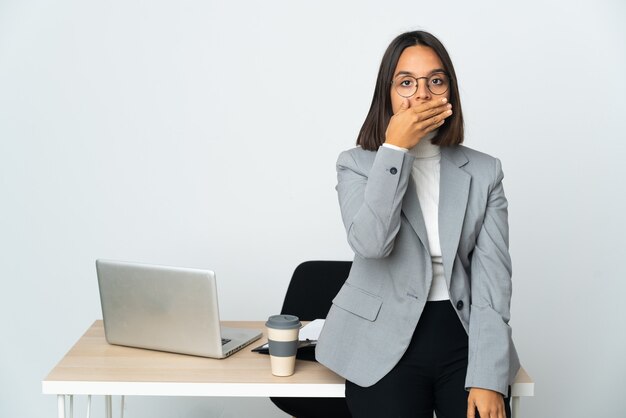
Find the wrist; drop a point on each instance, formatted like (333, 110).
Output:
(396, 147)
(406, 144)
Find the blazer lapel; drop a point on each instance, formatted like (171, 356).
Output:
(454, 185)
(413, 212)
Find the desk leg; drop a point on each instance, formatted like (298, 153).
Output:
(515, 402)
(61, 406)
(108, 406)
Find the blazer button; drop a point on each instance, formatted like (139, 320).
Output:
(393, 170)
(459, 305)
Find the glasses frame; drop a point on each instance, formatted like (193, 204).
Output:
(417, 79)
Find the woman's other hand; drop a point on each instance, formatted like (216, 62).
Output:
(410, 124)
(490, 404)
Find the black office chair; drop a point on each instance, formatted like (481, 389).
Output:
(313, 286)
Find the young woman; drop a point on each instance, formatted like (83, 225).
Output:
(421, 324)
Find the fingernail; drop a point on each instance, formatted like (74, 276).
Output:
(444, 100)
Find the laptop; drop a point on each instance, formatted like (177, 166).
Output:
(167, 309)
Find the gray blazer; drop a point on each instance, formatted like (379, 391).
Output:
(372, 319)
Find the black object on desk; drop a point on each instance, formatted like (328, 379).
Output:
(306, 350)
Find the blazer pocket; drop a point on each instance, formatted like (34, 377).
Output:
(358, 302)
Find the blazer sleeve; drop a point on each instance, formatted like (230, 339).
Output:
(371, 201)
(493, 361)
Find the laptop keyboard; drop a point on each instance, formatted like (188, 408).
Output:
(225, 341)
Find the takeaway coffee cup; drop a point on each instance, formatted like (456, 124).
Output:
(282, 333)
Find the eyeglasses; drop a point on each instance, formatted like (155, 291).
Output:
(406, 85)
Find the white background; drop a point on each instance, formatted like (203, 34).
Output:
(204, 134)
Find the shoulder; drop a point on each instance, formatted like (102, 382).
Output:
(477, 157)
(477, 163)
(362, 161)
(356, 158)
(357, 154)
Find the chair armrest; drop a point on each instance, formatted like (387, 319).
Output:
(523, 385)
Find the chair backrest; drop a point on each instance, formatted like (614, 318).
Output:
(313, 286)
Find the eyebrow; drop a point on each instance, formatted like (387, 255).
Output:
(436, 70)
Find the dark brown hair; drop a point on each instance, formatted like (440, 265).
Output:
(372, 134)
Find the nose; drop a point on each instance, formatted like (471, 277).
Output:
(422, 92)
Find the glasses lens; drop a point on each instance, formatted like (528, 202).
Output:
(438, 83)
(406, 86)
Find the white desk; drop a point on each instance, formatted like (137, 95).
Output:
(94, 367)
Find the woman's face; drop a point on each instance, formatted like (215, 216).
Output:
(417, 61)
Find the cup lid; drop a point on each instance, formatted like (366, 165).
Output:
(283, 322)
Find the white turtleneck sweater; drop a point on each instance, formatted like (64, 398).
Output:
(425, 173)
